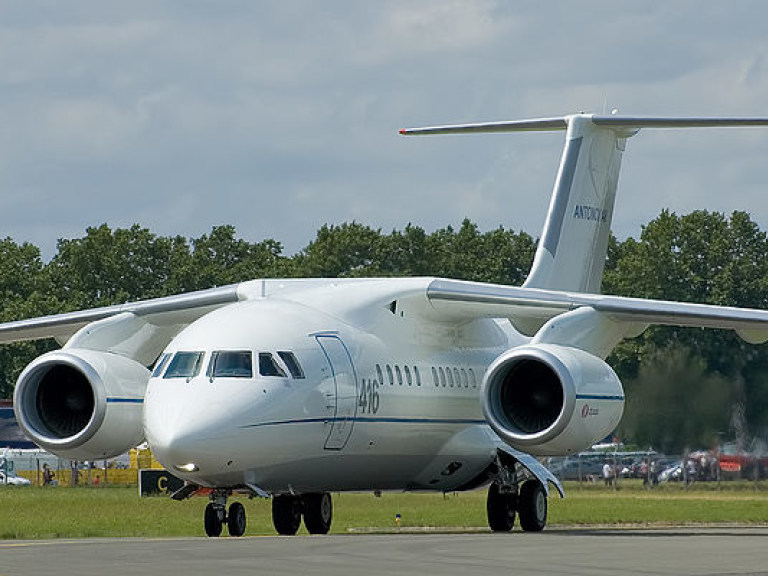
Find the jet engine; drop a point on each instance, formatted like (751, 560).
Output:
(548, 400)
(82, 404)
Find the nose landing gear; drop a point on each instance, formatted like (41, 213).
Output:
(216, 516)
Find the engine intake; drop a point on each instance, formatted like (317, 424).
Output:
(82, 404)
(549, 400)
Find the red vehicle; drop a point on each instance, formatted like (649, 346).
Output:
(737, 461)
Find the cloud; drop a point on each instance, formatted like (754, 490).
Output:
(279, 117)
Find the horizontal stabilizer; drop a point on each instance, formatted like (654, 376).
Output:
(630, 123)
(537, 124)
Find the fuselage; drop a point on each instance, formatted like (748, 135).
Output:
(303, 394)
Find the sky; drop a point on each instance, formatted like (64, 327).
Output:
(279, 117)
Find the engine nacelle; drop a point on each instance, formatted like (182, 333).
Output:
(551, 400)
(82, 404)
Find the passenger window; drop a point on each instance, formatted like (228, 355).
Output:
(184, 365)
(379, 374)
(449, 375)
(472, 378)
(161, 362)
(226, 364)
(442, 377)
(399, 375)
(418, 376)
(457, 377)
(464, 378)
(293, 364)
(389, 375)
(408, 377)
(434, 376)
(268, 366)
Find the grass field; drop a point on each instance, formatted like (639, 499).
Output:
(58, 512)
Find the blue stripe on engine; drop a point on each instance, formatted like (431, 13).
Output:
(125, 400)
(597, 397)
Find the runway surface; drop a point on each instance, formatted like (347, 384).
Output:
(573, 552)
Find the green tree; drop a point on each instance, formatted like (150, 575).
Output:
(220, 258)
(677, 402)
(347, 250)
(24, 295)
(699, 257)
(108, 267)
(500, 256)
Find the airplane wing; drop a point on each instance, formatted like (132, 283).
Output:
(138, 330)
(179, 309)
(528, 308)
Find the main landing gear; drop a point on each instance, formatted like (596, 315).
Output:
(216, 516)
(508, 498)
(317, 510)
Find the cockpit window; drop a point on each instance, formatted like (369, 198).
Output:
(184, 365)
(161, 362)
(226, 364)
(293, 364)
(268, 366)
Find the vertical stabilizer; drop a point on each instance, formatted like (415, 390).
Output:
(572, 249)
(573, 246)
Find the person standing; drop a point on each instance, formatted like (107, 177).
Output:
(48, 475)
(608, 474)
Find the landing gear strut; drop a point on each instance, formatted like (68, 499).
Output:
(287, 510)
(216, 515)
(508, 497)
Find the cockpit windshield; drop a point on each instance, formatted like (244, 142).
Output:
(227, 364)
(184, 365)
(268, 366)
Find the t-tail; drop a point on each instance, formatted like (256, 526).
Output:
(572, 249)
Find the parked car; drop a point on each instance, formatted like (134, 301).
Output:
(13, 480)
(572, 469)
(672, 473)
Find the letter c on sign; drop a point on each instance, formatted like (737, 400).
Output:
(162, 484)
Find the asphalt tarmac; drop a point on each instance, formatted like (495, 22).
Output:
(555, 551)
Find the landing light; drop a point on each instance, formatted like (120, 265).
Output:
(189, 467)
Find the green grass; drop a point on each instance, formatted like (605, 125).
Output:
(59, 512)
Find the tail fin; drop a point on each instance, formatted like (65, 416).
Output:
(572, 249)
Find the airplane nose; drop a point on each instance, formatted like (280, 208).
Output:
(178, 432)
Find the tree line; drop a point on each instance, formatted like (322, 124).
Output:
(685, 387)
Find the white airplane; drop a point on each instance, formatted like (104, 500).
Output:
(292, 389)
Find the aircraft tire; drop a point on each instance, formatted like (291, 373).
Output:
(501, 509)
(286, 514)
(533, 506)
(236, 519)
(318, 512)
(212, 521)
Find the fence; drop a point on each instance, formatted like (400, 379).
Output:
(30, 464)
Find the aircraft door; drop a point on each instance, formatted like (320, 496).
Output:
(345, 381)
